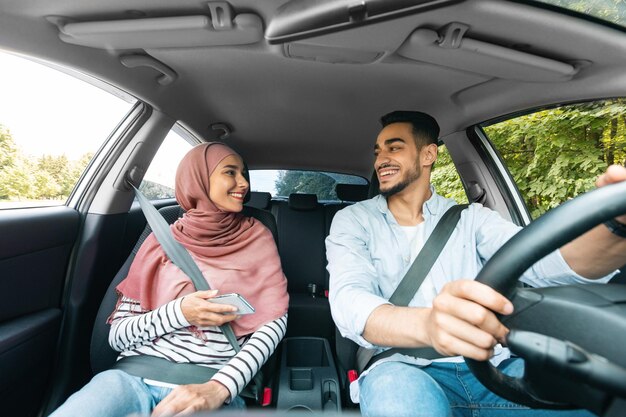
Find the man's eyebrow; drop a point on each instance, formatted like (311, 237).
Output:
(394, 140)
(390, 141)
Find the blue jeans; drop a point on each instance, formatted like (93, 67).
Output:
(115, 393)
(441, 390)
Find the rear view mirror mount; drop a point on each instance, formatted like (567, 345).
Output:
(302, 19)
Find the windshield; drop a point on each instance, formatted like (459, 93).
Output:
(610, 11)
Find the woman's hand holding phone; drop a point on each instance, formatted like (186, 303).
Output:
(199, 311)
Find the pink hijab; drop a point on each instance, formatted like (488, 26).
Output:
(235, 253)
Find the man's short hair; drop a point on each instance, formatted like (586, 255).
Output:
(425, 127)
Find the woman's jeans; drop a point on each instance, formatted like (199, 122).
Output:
(441, 390)
(115, 393)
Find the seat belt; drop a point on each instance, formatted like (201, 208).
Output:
(183, 260)
(411, 283)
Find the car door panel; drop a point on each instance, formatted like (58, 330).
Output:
(27, 344)
(35, 248)
(104, 245)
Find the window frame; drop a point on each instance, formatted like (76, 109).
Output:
(499, 171)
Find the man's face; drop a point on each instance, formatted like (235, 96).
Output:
(397, 158)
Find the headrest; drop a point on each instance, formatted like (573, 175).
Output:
(374, 189)
(351, 192)
(259, 199)
(303, 201)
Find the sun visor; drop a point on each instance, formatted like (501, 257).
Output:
(219, 29)
(451, 48)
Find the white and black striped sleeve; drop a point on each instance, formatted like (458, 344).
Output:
(240, 370)
(132, 327)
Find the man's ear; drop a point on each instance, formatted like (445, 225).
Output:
(429, 154)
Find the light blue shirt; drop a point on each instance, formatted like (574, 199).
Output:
(368, 255)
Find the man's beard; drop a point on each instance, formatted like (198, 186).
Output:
(405, 182)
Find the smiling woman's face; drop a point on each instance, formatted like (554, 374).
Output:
(227, 185)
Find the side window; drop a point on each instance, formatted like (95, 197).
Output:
(159, 180)
(51, 125)
(446, 179)
(554, 155)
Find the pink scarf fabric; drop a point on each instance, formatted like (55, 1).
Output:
(235, 253)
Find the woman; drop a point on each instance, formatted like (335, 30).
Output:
(160, 314)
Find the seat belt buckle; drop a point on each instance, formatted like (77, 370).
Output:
(352, 375)
(267, 397)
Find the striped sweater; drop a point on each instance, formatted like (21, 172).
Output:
(164, 333)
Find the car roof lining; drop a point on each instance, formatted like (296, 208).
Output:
(253, 87)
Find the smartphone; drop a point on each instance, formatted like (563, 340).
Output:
(233, 299)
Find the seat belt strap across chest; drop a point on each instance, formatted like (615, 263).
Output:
(411, 282)
(179, 255)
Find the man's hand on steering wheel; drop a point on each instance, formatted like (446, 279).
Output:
(612, 175)
(462, 320)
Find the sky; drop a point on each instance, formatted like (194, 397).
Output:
(51, 113)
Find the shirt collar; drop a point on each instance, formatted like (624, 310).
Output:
(431, 207)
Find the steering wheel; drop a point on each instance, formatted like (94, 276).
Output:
(555, 328)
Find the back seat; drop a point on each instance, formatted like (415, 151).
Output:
(301, 223)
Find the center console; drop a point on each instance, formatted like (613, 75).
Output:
(308, 376)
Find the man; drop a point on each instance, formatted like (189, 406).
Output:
(372, 244)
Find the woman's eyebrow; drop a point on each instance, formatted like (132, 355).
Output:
(231, 167)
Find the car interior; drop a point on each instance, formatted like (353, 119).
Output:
(301, 85)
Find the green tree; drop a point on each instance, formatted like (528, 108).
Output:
(14, 169)
(48, 177)
(61, 180)
(556, 154)
(609, 10)
(155, 191)
(8, 150)
(445, 178)
(15, 180)
(45, 187)
(319, 183)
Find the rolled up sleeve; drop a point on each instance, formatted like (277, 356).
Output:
(552, 270)
(353, 291)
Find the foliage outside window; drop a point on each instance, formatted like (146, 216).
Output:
(554, 155)
(613, 11)
(35, 180)
(445, 178)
